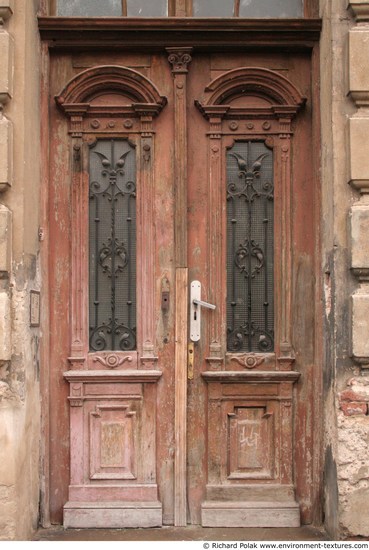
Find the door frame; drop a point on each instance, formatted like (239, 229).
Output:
(63, 34)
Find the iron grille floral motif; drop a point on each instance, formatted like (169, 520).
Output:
(112, 255)
(250, 277)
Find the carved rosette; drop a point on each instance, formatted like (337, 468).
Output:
(112, 360)
(248, 360)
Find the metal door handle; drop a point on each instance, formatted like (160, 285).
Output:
(203, 304)
(195, 310)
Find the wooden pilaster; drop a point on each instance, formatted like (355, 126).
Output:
(179, 58)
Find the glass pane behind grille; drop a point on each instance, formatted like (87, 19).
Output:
(250, 272)
(112, 251)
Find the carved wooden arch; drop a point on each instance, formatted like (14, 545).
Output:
(81, 89)
(277, 90)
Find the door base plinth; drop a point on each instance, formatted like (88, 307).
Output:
(112, 515)
(250, 514)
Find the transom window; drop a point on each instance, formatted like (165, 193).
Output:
(195, 8)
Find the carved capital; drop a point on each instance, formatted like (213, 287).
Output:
(179, 58)
(75, 402)
(149, 362)
(286, 357)
(215, 363)
(77, 363)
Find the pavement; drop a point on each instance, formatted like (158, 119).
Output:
(306, 533)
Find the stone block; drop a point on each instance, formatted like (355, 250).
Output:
(359, 143)
(5, 241)
(359, 218)
(6, 9)
(358, 65)
(354, 408)
(360, 326)
(353, 515)
(5, 327)
(360, 9)
(6, 153)
(351, 396)
(6, 66)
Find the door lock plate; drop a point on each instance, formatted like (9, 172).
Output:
(190, 360)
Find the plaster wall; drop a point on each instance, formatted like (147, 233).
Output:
(19, 200)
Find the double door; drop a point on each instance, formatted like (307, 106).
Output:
(178, 178)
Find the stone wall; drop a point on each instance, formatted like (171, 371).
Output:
(19, 200)
(345, 140)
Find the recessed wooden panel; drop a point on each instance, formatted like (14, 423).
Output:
(251, 443)
(250, 389)
(113, 452)
(114, 389)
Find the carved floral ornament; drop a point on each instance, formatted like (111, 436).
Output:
(76, 98)
(282, 99)
(179, 59)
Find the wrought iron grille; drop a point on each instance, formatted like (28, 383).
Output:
(112, 250)
(250, 271)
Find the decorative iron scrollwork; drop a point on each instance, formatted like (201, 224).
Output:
(122, 337)
(112, 246)
(242, 257)
(239, 336)
(107, 252)
(250, 271)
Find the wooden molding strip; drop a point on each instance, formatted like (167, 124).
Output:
(112, 376)
(180, 422)
(253, 376)
(152, 34)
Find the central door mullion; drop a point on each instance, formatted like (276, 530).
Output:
(179, 58)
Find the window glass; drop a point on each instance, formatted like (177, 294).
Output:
(213, 8)
(271, 8)
(112, 8)
(153, 8)
(89, 8)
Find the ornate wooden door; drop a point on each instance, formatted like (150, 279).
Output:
(165, 169)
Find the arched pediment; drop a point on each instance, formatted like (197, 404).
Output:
(83, 89)
(254, 82)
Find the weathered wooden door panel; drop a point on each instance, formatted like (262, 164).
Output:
(230, 388)
(133, 442)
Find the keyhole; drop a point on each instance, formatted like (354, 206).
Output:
(194, 315)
